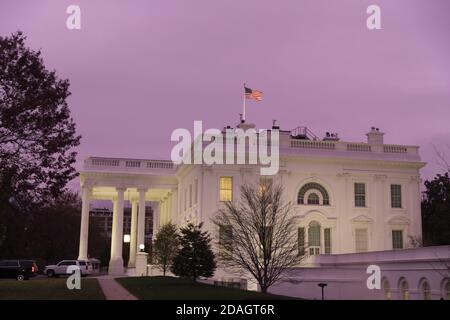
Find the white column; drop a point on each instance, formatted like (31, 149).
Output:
(157, 219)
(116, 262)
(84, 228)
(169, 209)
(141, 218)
(156, 211)
(162, 214)
(174, 207)
(133, 240)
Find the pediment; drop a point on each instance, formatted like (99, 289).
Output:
(399, 220)
(362, 218)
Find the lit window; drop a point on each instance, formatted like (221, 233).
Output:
(396, 196)
(226, 189)
(266, 237)
(360, 195)
(313, 198)
(265, 184)
(361, 240)
(426, 290)
(397, 239)
(387, 289)
(404, 289)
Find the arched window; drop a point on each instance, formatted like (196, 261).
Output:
(446, 289)
(313, 186)
(314, 238)
(425, 289)
(387, 289)
(313, 198)
(404, 289)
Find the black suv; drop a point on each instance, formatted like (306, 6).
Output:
(18, 269)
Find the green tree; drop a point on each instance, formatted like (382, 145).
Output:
(37, 133)
(166, 246)
(195, 257)
(436, 211)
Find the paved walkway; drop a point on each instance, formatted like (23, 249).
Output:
(113, 290)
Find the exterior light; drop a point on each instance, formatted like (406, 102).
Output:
(126, 238)
(322, 285)
(141, 247)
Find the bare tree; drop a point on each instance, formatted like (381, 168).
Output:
(258, 234)
(442, 159)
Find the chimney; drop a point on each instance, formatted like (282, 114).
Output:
(375, 136)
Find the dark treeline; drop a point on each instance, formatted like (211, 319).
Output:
(48, 233)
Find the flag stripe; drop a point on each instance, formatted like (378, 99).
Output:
(253, 94)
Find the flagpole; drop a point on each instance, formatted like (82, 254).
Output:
(243, 106)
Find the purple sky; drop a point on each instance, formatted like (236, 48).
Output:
(139, 69)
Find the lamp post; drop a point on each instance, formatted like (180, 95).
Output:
(141, 247)
(322, 285)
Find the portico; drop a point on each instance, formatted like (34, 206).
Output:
(121, 181)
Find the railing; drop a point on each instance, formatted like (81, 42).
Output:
(105, 162)
(394, 149)
(357, 147)
(352, 147)
(307, 144)
(129, 163)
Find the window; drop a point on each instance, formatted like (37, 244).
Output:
(301, 241)
(327, 240)
(361, 240)
(265, 239)
(226, 189)
(447, 290)
(195, 190)
(360, 194)
(397, 239)
(387, 289)
(190, 196)
(426, 290)
(396, 196)
(314, 238)
(313, 198)
(225, 240)
(313, 186)
(265, 184)
(12, 263)
(404, 289)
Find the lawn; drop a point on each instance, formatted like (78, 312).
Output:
(49, 289)
(168, 288)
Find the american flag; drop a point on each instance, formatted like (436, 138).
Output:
(253, 94)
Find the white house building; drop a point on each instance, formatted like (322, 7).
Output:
(350, 198)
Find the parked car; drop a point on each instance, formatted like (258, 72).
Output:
(18, 269)
(61, 268)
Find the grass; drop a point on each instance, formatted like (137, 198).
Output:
(168, 288)
(49, 289)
